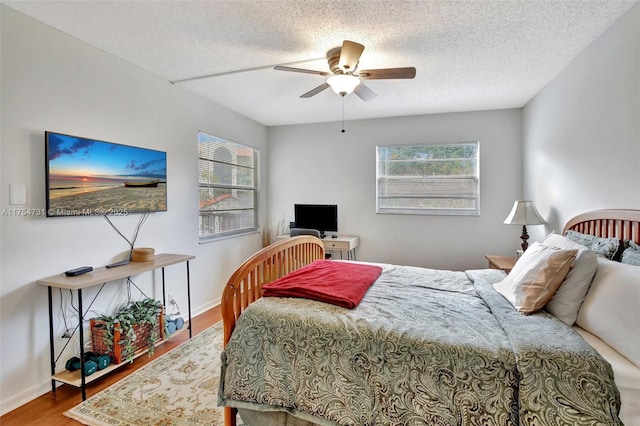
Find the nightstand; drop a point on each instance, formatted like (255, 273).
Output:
(501, 262)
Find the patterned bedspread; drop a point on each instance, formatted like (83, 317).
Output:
(424, 347)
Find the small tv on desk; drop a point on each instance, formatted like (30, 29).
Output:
(323, 217)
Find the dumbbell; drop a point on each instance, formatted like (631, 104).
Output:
(102, 361)
(179, 323)
(174, 324)
(93, 362)
(73, 364)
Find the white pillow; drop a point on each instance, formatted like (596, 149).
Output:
(566, 303)
(611, 309)
(535, 277)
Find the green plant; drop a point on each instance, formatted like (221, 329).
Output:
(146, 311)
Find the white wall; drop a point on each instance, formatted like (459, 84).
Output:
(50, 81)
(582, 131)
(315, 163)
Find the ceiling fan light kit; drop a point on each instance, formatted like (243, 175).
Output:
(343, 84)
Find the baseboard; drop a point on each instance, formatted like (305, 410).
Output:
(204, 308)
(24, 397)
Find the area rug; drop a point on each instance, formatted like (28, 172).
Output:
(180, 388)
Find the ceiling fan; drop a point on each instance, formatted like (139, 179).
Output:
(345, 78)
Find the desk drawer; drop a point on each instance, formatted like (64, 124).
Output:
(336, 245)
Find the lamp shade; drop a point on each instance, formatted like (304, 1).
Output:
(343, 84)
(524, 212)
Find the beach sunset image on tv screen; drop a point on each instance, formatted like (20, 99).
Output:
(91, 177)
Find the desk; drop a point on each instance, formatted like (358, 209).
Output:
(342, 244)
(101, 276)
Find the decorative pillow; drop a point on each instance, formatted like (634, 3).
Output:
(631, 255)
(610, 310)
(535, 277)
(566, 303)
(607, 247)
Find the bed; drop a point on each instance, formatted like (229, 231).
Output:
(426, 346)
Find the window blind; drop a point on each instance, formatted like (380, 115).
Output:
(228, 187)
(428, 179)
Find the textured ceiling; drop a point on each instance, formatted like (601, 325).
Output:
(470, 55)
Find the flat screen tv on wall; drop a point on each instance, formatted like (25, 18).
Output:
(86, 177)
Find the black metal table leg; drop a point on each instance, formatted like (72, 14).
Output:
(83, 378)
(51, 340)
(189, 300)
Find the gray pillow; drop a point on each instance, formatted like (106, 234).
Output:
(607, 247)
(631, 255)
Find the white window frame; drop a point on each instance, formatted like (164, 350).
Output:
(225, 221)
(461, 189)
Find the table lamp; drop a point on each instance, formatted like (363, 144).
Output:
(524, 213)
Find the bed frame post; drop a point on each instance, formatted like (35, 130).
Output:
(230, 415)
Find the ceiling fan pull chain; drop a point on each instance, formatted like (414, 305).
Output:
(343, 115)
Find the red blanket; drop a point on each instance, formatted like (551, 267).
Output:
(339, 283)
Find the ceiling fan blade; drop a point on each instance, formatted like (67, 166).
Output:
(283, 68)
(350, 55)
(387, 73)
(364, 92)
(315, 91)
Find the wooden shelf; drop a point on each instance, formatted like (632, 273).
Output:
(104, 274)
(73, 377)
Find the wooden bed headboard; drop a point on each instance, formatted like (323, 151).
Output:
(270, 263)
(623, 224)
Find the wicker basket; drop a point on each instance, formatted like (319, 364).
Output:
(100, 345)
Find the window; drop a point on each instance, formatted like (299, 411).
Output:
(428, 179)
(228, 187)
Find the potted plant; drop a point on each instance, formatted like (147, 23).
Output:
(137, 326)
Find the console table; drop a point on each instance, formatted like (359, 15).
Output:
(101, 276)
(342, 244)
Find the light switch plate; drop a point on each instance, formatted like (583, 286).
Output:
(17, 193)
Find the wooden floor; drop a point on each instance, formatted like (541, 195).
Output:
(48, 409)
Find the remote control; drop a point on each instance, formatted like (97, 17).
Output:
(122, 262)
(78, 271)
